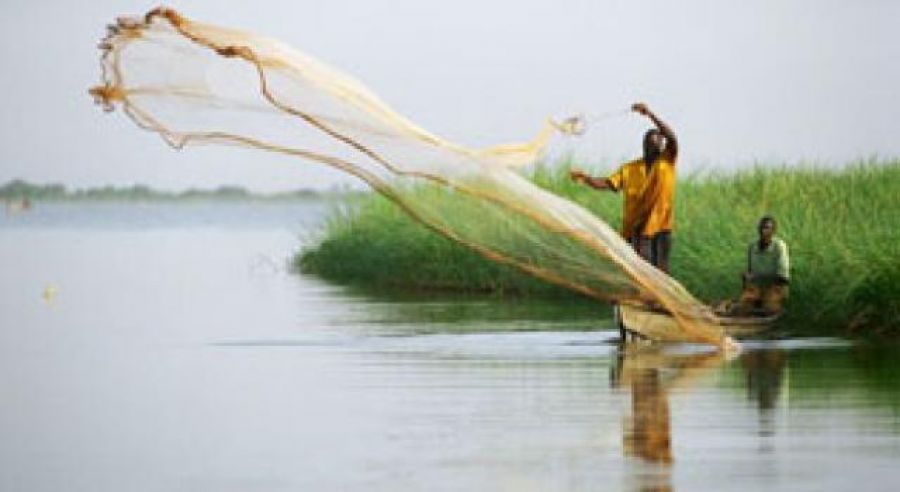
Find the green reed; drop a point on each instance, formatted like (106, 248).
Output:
(841, 226)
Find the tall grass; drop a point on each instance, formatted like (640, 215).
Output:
(841, 227)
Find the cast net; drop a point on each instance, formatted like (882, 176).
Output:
(195, 83)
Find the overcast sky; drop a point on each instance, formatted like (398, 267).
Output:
(741, 81)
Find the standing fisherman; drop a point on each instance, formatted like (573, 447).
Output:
(649, 185)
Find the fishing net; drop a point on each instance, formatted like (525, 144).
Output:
(195, 83)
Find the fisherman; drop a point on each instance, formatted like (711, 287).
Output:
(649, 185)
(768, 272)
(630, 178)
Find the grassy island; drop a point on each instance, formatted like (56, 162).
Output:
(842, 227)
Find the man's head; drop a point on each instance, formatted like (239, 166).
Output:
(767, 227)
(654, 141)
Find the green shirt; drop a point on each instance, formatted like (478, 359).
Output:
(770, 264)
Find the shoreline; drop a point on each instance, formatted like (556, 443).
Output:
(839, 224)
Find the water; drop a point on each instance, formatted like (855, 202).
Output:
(167, 347)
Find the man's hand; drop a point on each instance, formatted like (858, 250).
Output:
(577, 175)
(641, 109)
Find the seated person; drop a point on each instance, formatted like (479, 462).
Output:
(768, 273)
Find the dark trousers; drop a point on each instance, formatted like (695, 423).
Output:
(655, 249)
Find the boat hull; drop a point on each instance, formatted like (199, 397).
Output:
(660, 326)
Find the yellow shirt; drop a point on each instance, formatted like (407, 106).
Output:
(658, 200)
(630, 178)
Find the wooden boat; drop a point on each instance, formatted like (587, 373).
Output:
(658, 325)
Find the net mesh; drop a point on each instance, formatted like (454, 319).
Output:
(195, 83)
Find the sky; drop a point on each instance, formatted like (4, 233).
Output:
(766, 81)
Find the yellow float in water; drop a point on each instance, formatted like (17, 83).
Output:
(49, 293)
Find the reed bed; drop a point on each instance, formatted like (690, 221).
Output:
(841, 226)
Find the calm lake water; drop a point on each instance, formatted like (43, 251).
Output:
(166, 347)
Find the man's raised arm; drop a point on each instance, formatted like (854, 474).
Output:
(671, 149)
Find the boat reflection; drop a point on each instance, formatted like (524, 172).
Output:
(650, 372)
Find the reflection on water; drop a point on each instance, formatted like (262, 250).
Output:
(765, 374)
(650, 373)
(178, 353)
(765, 371)
(646, 433)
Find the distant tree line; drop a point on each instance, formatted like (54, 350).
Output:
(17, 190)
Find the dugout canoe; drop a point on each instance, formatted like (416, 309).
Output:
(656, 325)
